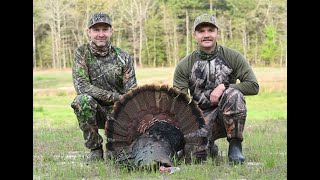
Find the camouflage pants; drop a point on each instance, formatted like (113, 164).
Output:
(91, 117)
(230, 119)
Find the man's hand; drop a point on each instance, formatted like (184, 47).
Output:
(216, 93)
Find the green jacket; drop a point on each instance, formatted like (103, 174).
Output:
(104, 78)
(200, 73)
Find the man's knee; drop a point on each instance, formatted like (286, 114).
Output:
(234, 95)
(83, 101)
(234, 101)
(84, 107)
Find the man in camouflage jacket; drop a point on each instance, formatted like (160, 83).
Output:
(101, 74)
(209, 74)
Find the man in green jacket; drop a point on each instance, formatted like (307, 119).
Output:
(101, 73)
(209, 75)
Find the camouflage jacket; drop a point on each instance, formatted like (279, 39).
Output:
(104, 78)
(200, 73)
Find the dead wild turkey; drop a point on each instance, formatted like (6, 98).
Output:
(152, 125)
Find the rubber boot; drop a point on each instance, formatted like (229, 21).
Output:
(95, 155)
(235, 152)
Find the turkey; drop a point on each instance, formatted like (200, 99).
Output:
(153, 126)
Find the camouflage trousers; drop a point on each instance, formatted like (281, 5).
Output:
(228, 118)
(91, 116)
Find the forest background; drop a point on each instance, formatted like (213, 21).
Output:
(158, 33)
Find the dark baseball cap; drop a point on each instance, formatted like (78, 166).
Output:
(99, 17)
(205, 18)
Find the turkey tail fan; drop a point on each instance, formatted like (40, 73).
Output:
(142, 112)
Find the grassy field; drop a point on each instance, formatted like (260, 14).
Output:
(58, 150)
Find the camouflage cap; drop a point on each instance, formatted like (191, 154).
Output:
(99, 17)
(205, 18)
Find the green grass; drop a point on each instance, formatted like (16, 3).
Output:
(58, 149)
(53, 111)
(51, 79)
(267, 106)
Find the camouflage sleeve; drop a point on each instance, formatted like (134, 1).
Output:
(82, 82)
(129, 77)
(180, 79)
(248, 82)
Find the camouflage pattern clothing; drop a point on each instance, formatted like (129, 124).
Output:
(199, 73)
(205, 18)
(100, 77)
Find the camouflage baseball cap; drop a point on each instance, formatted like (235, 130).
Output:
(205, 18)
(99, 17)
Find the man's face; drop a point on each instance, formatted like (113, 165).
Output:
(100, 33)
(206, 36)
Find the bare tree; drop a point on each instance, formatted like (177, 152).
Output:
(244, 40)
(131, 16)
(187, 31)
(136, 13)
(34, 50)
(55, 11)
(175, 44)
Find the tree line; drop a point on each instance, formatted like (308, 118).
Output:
(158, 33)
